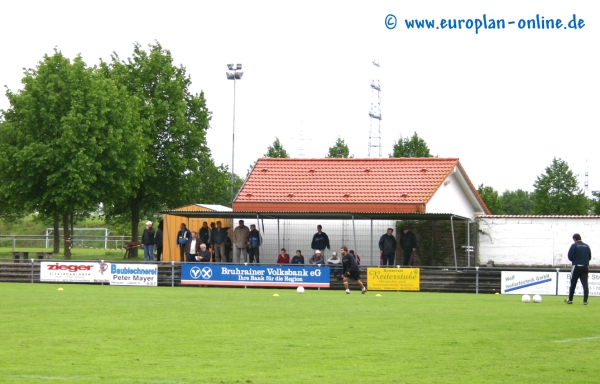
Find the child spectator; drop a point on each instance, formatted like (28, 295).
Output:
(298, 259)
(283, 257)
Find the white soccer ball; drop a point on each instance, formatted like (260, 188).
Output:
(537, 299)
(526, 299)
(300, 289)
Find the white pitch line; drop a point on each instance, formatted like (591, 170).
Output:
(579, 339)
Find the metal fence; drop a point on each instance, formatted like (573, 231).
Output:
(433, 279)
(82, 241)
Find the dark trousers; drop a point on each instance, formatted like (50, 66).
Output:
(388, 259)
(406, 253)
(159, 253)
(181, 253)
(579, 273)
(252, 254)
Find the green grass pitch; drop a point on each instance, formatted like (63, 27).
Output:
(104, 334)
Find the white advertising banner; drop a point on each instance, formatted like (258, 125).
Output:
(531, 283)
(564, 284)
(134, 274)
(74, 272)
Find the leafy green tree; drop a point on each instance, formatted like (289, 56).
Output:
(69, 141)
(339, 150)
(557, 192)
(413, 147)
(276, 150)
(517, 202)
(179, 168)
(491, 198)
(595, 203)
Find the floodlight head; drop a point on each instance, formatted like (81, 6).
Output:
(234, 75)
(239, 66)
(230, 67)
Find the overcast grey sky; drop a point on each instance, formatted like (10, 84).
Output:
(503, 101)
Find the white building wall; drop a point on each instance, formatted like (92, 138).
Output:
(451, 198)
(542, 241)
(297, 234)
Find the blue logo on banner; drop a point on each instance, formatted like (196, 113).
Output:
(254, 275)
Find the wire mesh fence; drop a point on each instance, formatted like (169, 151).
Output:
(16, 242)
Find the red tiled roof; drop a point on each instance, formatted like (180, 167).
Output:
(538, 216)
(336, 185)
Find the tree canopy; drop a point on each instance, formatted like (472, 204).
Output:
(491, 199)
(413, 147)
(557, 193)
(68, 140)
(178, 165)
(276, 150)
(517, 202)
(339, 150)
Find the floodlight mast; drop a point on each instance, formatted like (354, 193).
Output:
(235, 75)
(375, 114)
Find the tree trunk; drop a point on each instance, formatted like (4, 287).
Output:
(56, 233)
(135, 222)
(67, 236)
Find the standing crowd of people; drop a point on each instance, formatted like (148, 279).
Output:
(213, 244)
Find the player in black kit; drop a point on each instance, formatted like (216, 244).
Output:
(350, 270)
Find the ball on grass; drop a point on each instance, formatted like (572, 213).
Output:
(300, 289)
(537, 299)
(525, 298)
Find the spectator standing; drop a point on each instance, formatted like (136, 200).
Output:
(283, 257)
(210, 245)
(148, 241)
(204, 233)
(228, 252)
(159, 241)
(218, 239)
(298, 259)
(253, 243)
(387, 247)
(355, 255)
(320, 240)
(408, 243)
(317, 258)
(580, 255)
(240, 241)
(183, 235)
(192, 248)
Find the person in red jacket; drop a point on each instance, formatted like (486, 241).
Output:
(283, 257)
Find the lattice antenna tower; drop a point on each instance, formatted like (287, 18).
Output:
(375, 114)
(300, 140)
(586, 180)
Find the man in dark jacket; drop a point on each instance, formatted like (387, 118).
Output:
(159, 241)
(408, 243)
(253, 243)
(218, 239)
(580, 255)
(204, 234)
(387, 247)
(320, 240)
(192, 249)
(183, 236)
(148, 241)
